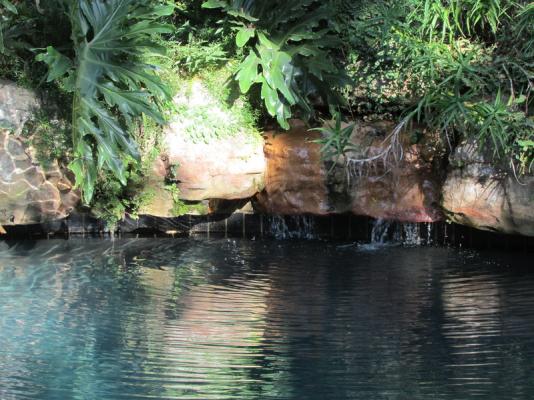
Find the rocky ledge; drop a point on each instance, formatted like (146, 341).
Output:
(29, 192)
(285, 175)
(299, 181)
(479, 194)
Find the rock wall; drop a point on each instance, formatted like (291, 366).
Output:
(29, 193)
(285, 175)
(298, 181)
(295, 177)
(479, 194)
(17, 105)
(225, 168)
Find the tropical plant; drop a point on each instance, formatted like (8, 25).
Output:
(8, 31)
(463, 68)
(335, 140)
(288, 53)
(110, 83)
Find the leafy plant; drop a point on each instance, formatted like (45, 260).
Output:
(110, 83)
(336, 139)
(446, 20)
(49, 136)
(112, 200)
(9, 30)
(289, 53)
(463, 68)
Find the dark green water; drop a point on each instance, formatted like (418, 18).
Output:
(190, 319)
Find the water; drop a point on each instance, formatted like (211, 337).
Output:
(387, 232)
(292, 227)
(227, 319)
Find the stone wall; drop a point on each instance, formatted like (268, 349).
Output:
(286, 175)
(30, 193)
(17, 105)
(479, 194)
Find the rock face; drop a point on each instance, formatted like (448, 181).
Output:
(30, 194)
(226, 168)
(407, 190)
(298, 181)
(295, 178)
(16, 105)
(478, 194)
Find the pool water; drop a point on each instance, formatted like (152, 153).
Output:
(238, 319)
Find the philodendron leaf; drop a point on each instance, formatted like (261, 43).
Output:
(248, 72)
(58, 64)
(244, 35)
(214, 4)
(294, 42)
(270, 97)
(8, 6)
(112, 86)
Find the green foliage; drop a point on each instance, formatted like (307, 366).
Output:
(447, 20)
(180, 207)
(111, 86)
(203, 112)
(50, 137)
(461, 67)
(336, 139)
(7, 9)
(288, 53)
(197, 56)
(112, 200)
(201, 42)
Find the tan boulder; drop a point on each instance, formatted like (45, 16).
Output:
(295, 177)
(479, 194)
(17, 105)
(225, 168)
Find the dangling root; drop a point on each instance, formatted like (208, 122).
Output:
(391, 154)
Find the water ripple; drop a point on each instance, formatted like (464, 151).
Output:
(230, 319)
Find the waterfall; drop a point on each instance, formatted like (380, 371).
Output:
(411, 234)
(292, 227)
(379, 233)
(405, 233)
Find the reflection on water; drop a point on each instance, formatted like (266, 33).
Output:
(225, 319)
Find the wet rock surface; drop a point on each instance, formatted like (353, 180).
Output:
(295, 177)
(30, 193)
(479, 194)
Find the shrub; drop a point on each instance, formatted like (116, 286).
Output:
(288, 53)
(110, 84)
(461, 67)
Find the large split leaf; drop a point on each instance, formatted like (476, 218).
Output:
(111, 86)
(289, 56)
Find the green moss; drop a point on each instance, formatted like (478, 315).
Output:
(206, 104)
(181, 207)
(50, 138)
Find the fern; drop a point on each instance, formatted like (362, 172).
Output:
(111, 86)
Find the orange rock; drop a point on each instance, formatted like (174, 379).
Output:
(298, 182)
(479, 194)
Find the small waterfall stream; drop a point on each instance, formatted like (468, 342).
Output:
(292, 227)
(382, 232)
(405, 233)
